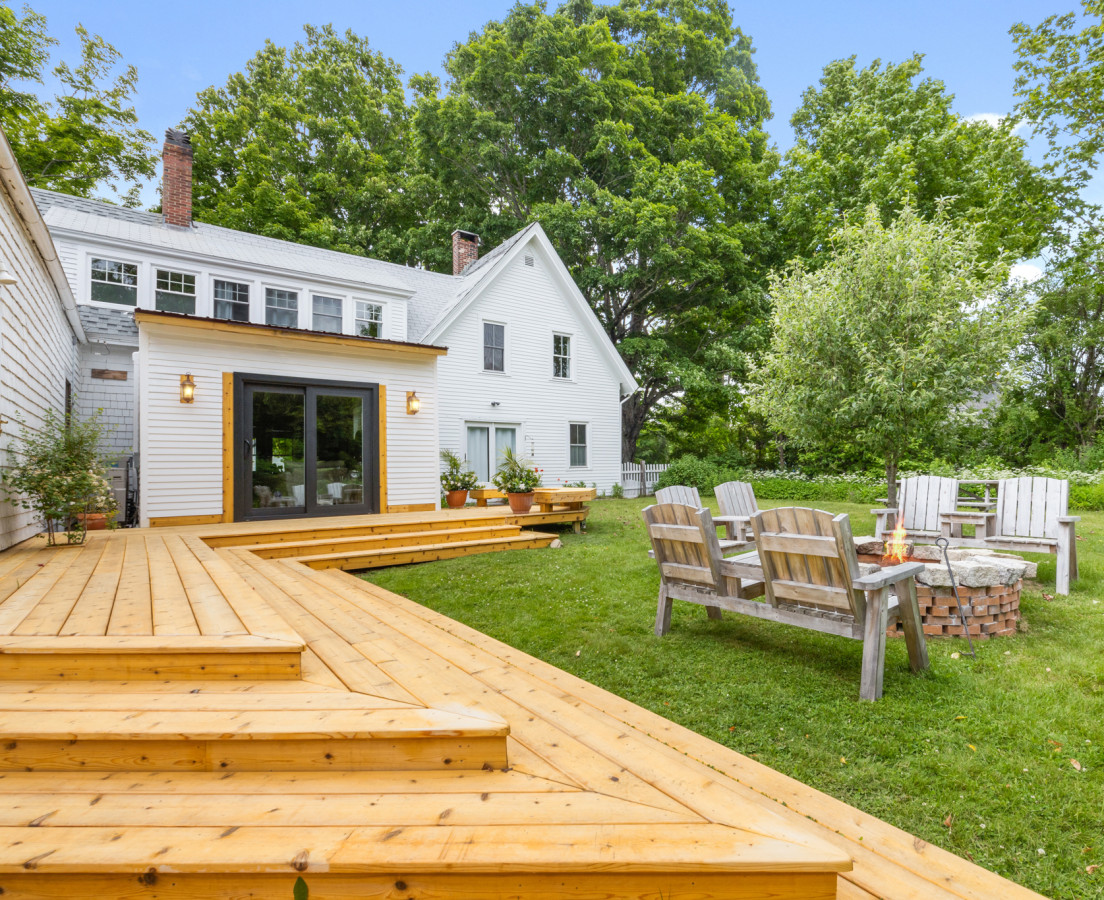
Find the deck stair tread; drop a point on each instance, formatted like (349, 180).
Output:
(366, 559)
(379, 541)
(277, 534)
(145, 644)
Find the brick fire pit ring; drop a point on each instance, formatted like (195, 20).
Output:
(989, 586)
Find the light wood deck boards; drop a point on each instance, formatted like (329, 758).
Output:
(624, 802)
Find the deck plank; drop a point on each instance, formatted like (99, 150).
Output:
(58, 600)
(172, 613)
(133, 609)
(212, 613)
(92, 611)
(40, 583)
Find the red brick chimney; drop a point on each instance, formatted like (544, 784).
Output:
(465, 250)
(176, 179)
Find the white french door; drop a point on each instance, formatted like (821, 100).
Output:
(486, 442)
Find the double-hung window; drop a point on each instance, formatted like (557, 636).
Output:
(327, 314)
(114, 282)
(231, 301)
(578, 445)
(494, 347)
(561, 356)
(369, 319)
(281, 308)
(176, 292)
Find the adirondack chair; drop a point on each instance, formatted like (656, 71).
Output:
(807, 568)
(735, 538)
(920, 503)
(1031, 516)
(738, 504)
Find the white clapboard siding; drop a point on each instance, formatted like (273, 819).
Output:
(37, 351)
(181, 444)
(531, 304)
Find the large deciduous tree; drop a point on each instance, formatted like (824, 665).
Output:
(86, 137)
(897, 332)
(309, 144)
(634, 134)
(887, 136)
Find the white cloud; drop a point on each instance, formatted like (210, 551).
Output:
(993, 120)
(1025, 272)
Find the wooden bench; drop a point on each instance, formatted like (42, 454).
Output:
(482, 495)
(548, 498)
(806, 566)
(736, 538)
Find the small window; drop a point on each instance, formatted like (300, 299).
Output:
(494, 347)
(281, 308)
(114, 282)
(175, 292)
(327, 314)
(232, 301)
(369, 319)
(578, 445)
(561, 356)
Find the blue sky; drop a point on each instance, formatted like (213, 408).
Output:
(181, 48)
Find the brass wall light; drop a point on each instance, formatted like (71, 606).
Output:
(413, 404)
(187, 388)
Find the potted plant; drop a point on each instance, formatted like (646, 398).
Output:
(517, 479)
(456, 480)
(56, 471)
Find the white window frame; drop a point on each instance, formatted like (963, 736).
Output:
(516, 427)
(570, 338)
(329, 295)
(371, 301)
(140, 277)
(483, 348)
(234, 279)
(172, 268)
(585, 445)
(265, 288)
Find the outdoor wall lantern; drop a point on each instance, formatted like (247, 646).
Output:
(187, 388)
(413, 404)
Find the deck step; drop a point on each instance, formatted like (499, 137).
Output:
(149, 657)
(382, 541)
(255, 740)
(274, 534)
(373, 559)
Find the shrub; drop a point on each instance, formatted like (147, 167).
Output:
(617, 492)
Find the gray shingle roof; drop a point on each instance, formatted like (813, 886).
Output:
(429, 294)
(114, 326)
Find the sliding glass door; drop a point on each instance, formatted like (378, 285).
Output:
(307, 448)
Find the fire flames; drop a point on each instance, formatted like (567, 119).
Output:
(895, 546)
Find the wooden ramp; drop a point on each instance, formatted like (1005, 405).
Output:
(403, 756)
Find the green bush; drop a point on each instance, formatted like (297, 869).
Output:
(1086, 496)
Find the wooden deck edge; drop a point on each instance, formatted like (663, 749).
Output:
(53, 645)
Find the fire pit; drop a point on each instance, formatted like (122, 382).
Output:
(989, 586)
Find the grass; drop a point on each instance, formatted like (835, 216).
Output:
(974, 756)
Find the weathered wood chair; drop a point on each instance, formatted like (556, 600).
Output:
(738, 504)
(1031, 516)
(807, 567)
(735, 539)
(921, 501)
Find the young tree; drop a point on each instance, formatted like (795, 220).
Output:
(310, 144)
(899, 331)
(886, 136)
(634, 134)
(86, 137)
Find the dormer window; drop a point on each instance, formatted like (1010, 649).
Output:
(369, 319)
(281, 308)
(114, 282)
(176, 292)
(327, 314)
(231, 301)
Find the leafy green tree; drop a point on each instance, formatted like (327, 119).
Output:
(886, 136)
(87, 136)
(634, 134)
(310, 144)
(890, 339)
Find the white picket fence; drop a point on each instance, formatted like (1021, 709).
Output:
(637, 475)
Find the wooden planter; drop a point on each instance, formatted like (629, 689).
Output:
(456, 499)
(520, 503)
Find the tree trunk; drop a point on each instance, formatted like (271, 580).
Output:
(891, 484)
(633, 416)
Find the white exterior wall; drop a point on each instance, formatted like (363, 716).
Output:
(76, 257)
(530, 303)
(181, 444)
(115, 398)
(37, 352)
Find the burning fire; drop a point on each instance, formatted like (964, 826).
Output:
(895, 546)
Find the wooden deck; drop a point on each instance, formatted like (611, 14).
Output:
(182, 717)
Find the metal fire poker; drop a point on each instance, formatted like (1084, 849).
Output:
(942, 543)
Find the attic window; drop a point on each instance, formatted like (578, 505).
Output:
(529, 260)
(114, 282)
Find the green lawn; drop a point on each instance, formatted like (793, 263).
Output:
(974, 756)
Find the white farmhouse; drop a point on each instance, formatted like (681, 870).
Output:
(257, 378)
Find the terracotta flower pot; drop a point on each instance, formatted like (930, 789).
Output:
(456, 499)
(520, 503)
(93, 521)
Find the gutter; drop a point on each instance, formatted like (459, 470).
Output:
(29, 214)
